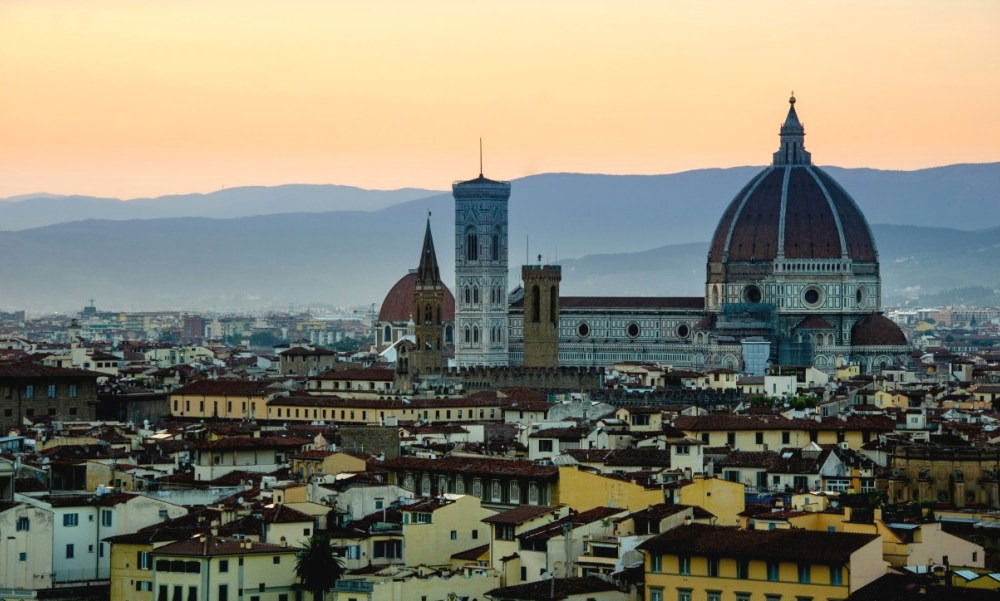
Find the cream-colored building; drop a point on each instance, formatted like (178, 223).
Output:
(216, 568)
(436, 528)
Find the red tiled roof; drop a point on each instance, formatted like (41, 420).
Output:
(380, 374)
(877, 330)
(209, 546)
(224, 388)
(473, 465)
(777, 545)
(399, 304)
(519, 514)
(814, 322)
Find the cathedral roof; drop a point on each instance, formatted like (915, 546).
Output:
(877, 330)
(792, 210)
(399, 304)
(814, 322)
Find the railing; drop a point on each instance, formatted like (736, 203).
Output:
(354, 586)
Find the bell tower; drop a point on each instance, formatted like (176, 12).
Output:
(428, 293)
(541, 315)
(481, 272)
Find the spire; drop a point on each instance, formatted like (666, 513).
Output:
(793, 149)
(480, 157)
(428, 272)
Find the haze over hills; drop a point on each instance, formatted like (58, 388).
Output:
(613, 234)
(36, 210)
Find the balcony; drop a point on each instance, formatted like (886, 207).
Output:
(355, 585)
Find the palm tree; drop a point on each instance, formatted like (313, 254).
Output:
(317, 567)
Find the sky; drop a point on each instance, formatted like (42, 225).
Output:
(128, 98)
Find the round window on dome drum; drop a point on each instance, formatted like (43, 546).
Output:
(683, 331)
(751, 294)
(812, 296)
(583, 330)
(632, 330)
(859, 297)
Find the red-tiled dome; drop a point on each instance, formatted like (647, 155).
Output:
(877, 330)
(399, 305)
(794, 209)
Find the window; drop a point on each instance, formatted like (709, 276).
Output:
(143, 585)
(475, 534)
(162, 594)
(786, 437)
(656, 593)
(29, 392)
(536, 304)
(106, 517)
(656, 563)
(51, 391)
(223, 592)
(837, 575)
(23, 524)
(71, 519)
(142, 560)
(684, 565)
(804, 573)
(731, 439)
(22, 556)
(224, 565)
(758, 437)
(70, 553)
(193, 593)
(772, 571)
(713, 595)
(276, 559)
(742, 569)
(454, 535)
(544, 446)
(713, 567)
(683, 594)
(471, 244)
(504, 532)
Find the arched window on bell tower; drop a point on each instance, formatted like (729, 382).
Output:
(471, 244)
(536, 304)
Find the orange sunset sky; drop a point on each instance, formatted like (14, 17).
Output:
(137, 98)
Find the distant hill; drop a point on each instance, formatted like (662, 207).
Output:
(614, 235)
(36, 210)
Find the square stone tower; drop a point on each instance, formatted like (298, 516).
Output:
(481, 272)
(541, 315)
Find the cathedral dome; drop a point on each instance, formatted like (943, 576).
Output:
(399, 304)
(792, 210)
(877, 330)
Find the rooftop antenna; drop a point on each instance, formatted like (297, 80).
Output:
(527, 249)
(480, 156)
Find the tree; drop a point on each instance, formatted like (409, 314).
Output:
(317, 567)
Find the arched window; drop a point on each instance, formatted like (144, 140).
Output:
(471, 244)
(387, 335)
(495, 246)
(468, 337)
(468, 295)
(448, 334)
(536, 304)
(475, 334)
(428, 314)
(475, 295)
(553, 300)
